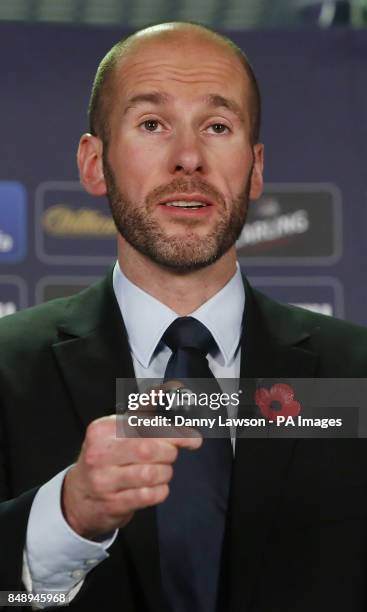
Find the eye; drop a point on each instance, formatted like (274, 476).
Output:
(151, 125)
(219, 128)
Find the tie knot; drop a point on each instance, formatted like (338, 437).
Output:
(187, 332)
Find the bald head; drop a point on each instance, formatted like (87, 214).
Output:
(176, 33)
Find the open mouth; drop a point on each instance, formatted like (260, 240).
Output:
(192, 205)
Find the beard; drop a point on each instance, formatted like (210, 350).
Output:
(180, 253)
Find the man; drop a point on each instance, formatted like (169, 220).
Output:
(174, 144)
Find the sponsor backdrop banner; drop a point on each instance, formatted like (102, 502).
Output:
(304, 242)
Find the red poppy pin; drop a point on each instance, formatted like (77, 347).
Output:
(281, 395)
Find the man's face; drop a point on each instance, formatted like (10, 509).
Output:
(179, 168)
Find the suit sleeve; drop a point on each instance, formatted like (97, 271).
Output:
(14, 515)
(58, 558)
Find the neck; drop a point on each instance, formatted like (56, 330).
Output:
(182, 292)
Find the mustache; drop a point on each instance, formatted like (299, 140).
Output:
(180, 185)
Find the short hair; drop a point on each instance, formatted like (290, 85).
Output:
(101, 95)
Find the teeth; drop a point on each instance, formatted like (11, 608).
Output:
(184, 204)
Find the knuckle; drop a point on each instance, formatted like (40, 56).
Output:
(91, 457)
(173, 453)
(130, 501)
(162, 493)
(147, 474)
(99, 428)
(144, 451)
(150, 496)
(169, 473)
(97, 482)
(92, 431)
(146, 495)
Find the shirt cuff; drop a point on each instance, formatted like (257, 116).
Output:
(27, 581)
(58, 558)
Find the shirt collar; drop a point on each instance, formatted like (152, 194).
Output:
(146, 319)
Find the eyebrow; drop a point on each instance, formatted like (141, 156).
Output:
(153, 98)
(217, 101)
(212, 100)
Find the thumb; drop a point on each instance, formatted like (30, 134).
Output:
(187, 437)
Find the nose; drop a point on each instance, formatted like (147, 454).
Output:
(187, 155)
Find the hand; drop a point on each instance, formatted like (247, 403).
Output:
(114, 477)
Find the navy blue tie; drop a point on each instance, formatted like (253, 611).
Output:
(191, 522)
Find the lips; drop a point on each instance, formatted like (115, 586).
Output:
(186, 201)
(192, 204)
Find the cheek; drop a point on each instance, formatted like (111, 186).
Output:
(235, 177)
(136, 170)
(140, 162)
(233, 166)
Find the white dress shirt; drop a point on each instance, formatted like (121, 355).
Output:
(57, 558)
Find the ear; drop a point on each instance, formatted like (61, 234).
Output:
(257, 182)
(90, 164)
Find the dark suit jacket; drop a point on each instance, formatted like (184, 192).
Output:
(297, 528)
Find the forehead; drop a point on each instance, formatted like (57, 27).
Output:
(184, 63)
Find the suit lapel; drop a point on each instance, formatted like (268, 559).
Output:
(92, 351)
(272, 347)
